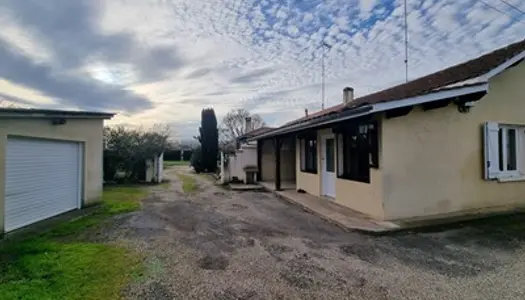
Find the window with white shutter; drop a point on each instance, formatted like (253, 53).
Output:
(504, 151)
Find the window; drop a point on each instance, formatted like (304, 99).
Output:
(503, 151)
(357, 151)
(329, 154)
(308, 147)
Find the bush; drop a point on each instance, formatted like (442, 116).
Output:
(196, 160)
(126, 151)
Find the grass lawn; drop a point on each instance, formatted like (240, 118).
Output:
(171, 163)
(189, 183)
(57, 265)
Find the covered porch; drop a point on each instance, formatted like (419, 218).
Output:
(285, 185)
(276, 161)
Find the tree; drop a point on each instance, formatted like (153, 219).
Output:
(209, 139)
(233, 124)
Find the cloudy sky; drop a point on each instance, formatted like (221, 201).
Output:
(162, 61)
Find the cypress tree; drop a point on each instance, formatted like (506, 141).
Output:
(209, 138)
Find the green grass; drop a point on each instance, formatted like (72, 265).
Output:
(57, 265)
(165, 185)
(207, 176)
(171, 163)
(189, 183)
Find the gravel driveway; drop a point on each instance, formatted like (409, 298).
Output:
(219, 244)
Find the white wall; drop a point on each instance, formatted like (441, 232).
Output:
(155, 169)
(246, 156)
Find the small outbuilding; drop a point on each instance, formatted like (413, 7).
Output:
(50, 163)
(155, 168)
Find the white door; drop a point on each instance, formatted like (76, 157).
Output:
(328, 165)
(43, 179)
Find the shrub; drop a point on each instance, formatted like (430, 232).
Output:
(126, 151)
(196, 160)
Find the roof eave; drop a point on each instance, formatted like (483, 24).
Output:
(434, 96)
(360, 111)
(354, 113)
(36, 115)
(504, 66)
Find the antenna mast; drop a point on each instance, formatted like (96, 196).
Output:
(406, 43)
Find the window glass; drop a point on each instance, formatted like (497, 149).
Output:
(500, 146)
(511, 150)
(309, 155)
(330, 155)
(356, 153)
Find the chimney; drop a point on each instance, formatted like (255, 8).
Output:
(306, 112)
(348, 95)
(248, 124)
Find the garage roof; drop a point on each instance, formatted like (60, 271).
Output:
(49, 113)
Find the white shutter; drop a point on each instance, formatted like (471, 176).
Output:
(491, 150)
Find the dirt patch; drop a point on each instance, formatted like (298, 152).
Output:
(262, 231)
(277, 250)
(151, 290)
(439, 255)
(364, 252)
(209, 262)
(302, 273)
(232, 294)
(239, 206)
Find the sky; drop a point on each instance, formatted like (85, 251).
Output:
(163, 61)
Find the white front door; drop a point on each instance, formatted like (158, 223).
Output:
(328, 165)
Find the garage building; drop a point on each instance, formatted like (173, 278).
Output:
(50, 163)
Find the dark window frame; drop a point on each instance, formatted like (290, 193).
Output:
(360, 151)
(308, 151)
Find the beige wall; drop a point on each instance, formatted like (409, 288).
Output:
(287, 161)
(308, 182)
(268, 161)
(359, 196)
(88, 131)
(432, 161)
(363, 197)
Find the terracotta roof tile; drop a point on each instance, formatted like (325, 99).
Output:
(458, 73)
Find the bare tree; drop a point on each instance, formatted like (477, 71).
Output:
(8, 104)
(233, 124)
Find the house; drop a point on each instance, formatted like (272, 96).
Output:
(240, 163)
(50, 163)
(450, 143)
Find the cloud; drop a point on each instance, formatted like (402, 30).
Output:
(68, 90)
(252, 75)
(163, 61)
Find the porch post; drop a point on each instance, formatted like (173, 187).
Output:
(277, 147)
(259, 159)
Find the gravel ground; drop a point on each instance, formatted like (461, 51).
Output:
(219, 244)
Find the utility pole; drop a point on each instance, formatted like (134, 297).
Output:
(323, 47)
(406, 43)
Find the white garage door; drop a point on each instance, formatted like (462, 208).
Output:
(42, 180)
